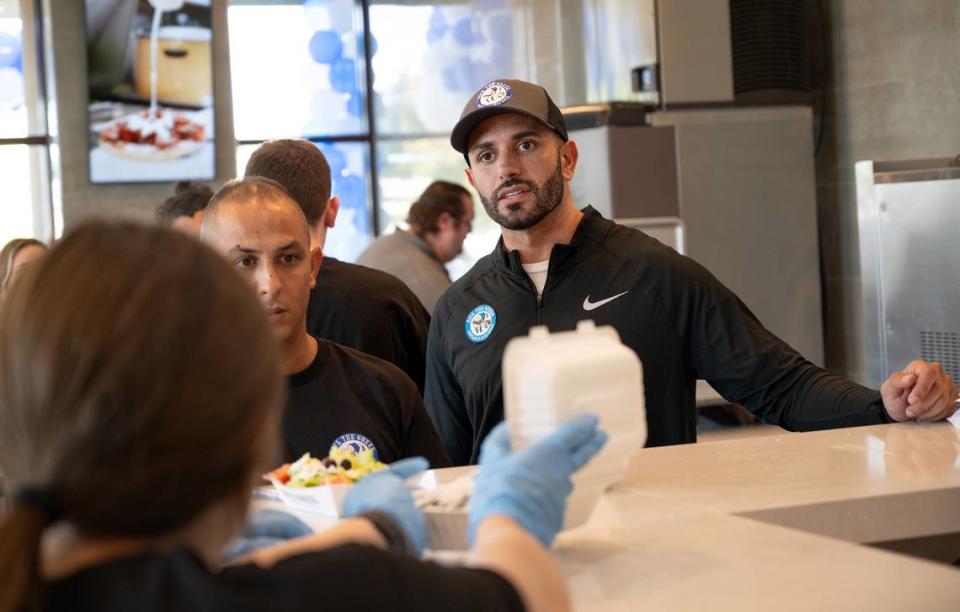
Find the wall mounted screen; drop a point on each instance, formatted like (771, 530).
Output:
(150, 85)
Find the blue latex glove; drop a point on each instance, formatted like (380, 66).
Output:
(264, 528)
(386, 491)
(532, 486)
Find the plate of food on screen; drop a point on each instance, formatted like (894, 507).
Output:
(160, 134)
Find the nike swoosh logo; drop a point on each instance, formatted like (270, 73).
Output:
(588, 305)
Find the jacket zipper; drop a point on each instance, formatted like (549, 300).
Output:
(539, 298)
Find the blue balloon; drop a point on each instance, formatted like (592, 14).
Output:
(336, 159)
(352, 193)
(325, 46)
(451, 78)
(466, 71)
(463, 32)
(437, 19)
(355, 105)
(343, 75)
(9, 50)
(436, 33)
(501, 30)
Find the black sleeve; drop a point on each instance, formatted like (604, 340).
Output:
(443, 396)
(412, 322)
(419, 435)
(364, 577)
(747, 364)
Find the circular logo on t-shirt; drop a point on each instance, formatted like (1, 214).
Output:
(354, 443)
(493, 94)
(480, 323)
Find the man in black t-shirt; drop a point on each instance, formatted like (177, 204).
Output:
(339, 397)
(355, 306)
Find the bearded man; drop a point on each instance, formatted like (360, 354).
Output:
(556, 264)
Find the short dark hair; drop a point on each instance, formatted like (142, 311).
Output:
(189, 198)
(438, 198)
(300, 167)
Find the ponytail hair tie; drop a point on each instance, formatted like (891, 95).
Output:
(40, 500)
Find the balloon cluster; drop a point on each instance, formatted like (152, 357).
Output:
(478, 45)
(335, 44)
(353, 229)
(467, 46)
(338, 48)
(11, 71)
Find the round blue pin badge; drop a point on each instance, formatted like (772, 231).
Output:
(480, 323)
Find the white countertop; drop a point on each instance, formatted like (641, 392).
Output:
(771, 523)
(690, 527)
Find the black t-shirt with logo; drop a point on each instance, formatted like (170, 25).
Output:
(371, 311)
(350, 577)
(355, 401)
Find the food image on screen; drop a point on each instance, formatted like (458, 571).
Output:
(150, 103)
(153, 135)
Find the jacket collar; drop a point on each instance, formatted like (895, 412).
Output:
(590, 232)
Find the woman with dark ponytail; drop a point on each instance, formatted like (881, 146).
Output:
(129, 357)
(140, 392)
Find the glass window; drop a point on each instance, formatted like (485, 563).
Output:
(407, 166)
(430, 59)
(14, 116)
(23, 157)
(297, 70)
(24, 171)
(349, 169)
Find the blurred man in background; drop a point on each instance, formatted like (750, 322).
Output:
(438, 223)
(184, 209)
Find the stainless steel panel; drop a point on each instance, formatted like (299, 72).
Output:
(748, 200)
(627, 171)
(910, 266)
(742, 181)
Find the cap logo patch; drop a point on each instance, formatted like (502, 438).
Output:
(354, 443)
(494, 94)
(480, 323)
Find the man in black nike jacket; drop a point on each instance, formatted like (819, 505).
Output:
(555, 265)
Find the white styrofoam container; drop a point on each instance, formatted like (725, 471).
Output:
(549, 379)
(326, 500)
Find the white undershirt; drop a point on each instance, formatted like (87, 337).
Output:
(538, 274)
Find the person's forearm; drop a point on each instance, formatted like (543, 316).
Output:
(502, 546)
(348, 531)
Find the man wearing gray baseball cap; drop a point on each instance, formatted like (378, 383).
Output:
(556, 264)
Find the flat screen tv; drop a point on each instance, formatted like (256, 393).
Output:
(150, 90)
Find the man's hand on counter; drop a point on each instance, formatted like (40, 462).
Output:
(920, 392)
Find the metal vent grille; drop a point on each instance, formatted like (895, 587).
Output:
(944, 348)
(769, 44)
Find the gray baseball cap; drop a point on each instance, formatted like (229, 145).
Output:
(507, 96)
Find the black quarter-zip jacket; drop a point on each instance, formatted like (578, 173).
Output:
(680, 320)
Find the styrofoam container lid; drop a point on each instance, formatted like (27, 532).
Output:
(550, 378)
